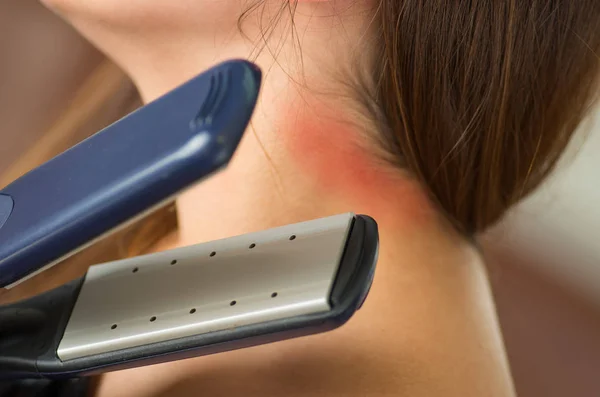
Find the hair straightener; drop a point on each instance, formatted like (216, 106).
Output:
(241, 291)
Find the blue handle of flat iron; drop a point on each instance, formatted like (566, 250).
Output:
(125, 170)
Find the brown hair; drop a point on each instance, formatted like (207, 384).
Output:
(479, 98)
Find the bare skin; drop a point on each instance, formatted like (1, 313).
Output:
(429, 326)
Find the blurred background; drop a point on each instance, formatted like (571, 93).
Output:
(56, 89)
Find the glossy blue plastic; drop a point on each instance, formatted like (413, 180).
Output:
(125, 170)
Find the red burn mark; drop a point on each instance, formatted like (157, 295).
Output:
(334, 155)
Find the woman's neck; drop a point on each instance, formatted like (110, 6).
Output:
(307, 153)
(301, 158)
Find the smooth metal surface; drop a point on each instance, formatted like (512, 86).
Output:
(249, 279)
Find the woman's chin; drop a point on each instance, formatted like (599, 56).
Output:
(80, 9)
(57, 5)
(149, 16)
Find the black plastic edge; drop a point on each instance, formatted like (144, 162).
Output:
(32, 328)
(355, 275)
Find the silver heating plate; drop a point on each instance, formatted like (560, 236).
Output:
(269, 275)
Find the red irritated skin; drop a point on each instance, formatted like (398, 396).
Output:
(341, 161)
